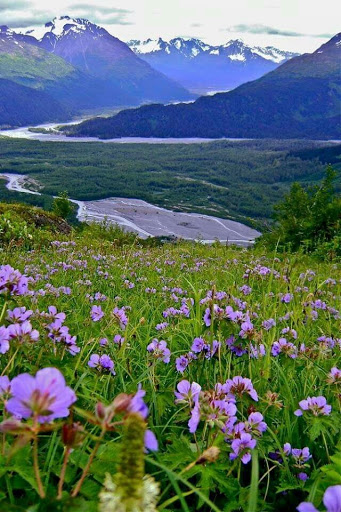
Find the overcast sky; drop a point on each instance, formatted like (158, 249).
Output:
(297, 25)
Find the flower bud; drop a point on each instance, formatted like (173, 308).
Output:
(121, 402)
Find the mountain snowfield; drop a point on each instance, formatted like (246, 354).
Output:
(202, 67)
(190, 48)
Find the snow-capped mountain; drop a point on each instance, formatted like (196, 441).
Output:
(91, 49)
(203, 67)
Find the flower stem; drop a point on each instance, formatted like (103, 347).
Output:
(62, 473)
(36, 467)
(87, 467)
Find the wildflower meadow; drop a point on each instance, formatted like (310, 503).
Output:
(177, 378)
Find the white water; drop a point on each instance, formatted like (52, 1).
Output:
(148, 220)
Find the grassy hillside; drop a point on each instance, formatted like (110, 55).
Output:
(111, 320)
(239, 180)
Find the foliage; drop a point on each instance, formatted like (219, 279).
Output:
(309, 219)
(62, 207)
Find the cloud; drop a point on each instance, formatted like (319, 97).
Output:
(101, 14)
(7, 5)
(264, 29)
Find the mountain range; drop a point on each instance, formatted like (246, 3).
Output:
(204, 68)
(81, 66)
(299, 99)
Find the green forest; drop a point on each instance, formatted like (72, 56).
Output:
(241, 180)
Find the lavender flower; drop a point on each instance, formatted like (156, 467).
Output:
(255, 424)
(239, 385)
(23, 332)
(317, 405)
(96, 313)
(18, 315)
(45, 396)
(187, 393)
(4, 340)
(120, 315)
(243, 446)
(103, 362)
(284, 346)
(301, 456)
(159, 350)
(137, 405)
(12, 281)
(181, 363)
(331, 500)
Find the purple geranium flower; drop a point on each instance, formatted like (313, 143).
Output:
(137, 405)
(243, 445)
(45, 396)
(239, 385)
(159, 350)
(4, 340)
(197, 345)
(317, 405)
(187, 393)
(181, 363)
(331, 500)
(121, 317)
(96, 313)
(103, 362)
(5, 387)
(18, 315)
(194, 419)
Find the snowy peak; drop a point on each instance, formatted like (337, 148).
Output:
(235, 50)
(64, 25)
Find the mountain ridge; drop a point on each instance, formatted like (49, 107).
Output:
(205, 67)
(299, 99)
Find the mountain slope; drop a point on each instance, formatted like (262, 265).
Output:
(20, 105)
(202, 67)
(24, 62)
(94, 51)
(300, 99)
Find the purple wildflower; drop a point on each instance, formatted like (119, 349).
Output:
(181, 363)
(4, 340)
(187, 393)
(45, 396)
(268, 324)
(243, 445)
(23, 332)
(285, 347)
(301, 456)
(194, 419)
(159, 350)
(12, 281)
(239, 385)
(121, 317)
(317, 405)
(255, 424)
(103, 362)
(18, 315)
(331, 500)
(198, 345)
(96, 313)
